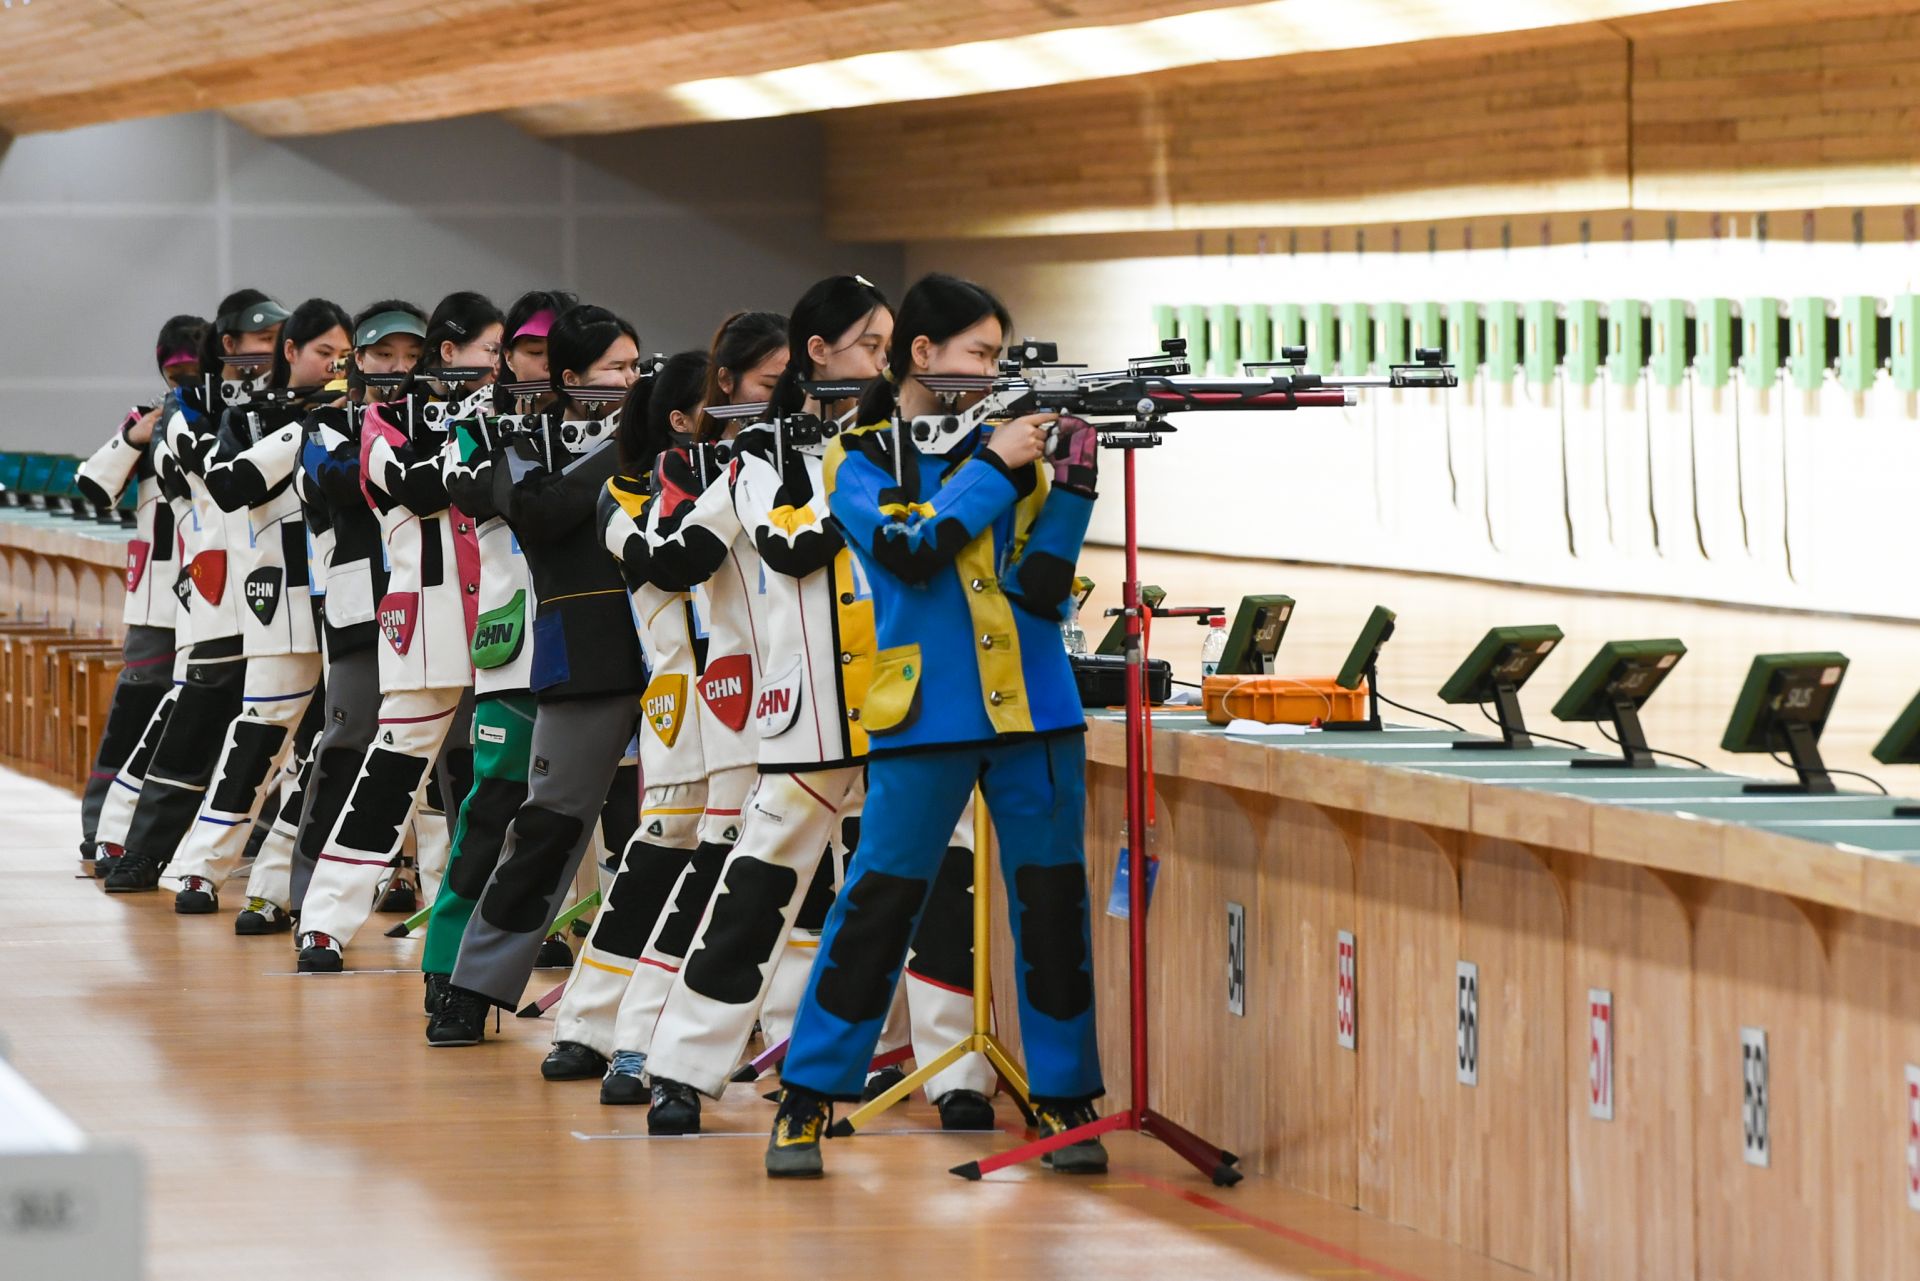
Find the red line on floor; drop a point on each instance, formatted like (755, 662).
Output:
(1280, 1230)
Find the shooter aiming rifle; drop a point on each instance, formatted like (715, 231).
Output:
(1129, 409)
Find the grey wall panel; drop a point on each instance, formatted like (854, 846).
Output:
(163, 161)
(746, 163)
(676, 278)
(474, 160)
(105, 232)
(78, 287)
(356, 260)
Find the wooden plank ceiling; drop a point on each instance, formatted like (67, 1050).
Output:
(1770, 105)
(569, 66)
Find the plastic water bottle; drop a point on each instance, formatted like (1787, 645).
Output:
(1070, 631)
(1214, 647)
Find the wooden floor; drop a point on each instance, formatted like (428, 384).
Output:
(294, 1123)
(298, 1125)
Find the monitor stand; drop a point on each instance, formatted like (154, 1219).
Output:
(1513, 726)
(1635, 754)
(1372, 722)
(1803, 749)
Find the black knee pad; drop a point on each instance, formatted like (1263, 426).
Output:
(293, 800)
(127, 716)
(743, 932)
(647, 876)
(333, 773)
(620, 817)
(200, 716)
(156, 729)
(819, 900)
(857, 981)
(1053, 914)
(490, 811)
(517, 900)
(943, 945)
(255, 744)
(382, 800)
(690, 903)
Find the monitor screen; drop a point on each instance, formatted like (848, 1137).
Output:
(1504, 656)
(1781, 690)
(1623, 671)
(1255, 634)
(1366, 648)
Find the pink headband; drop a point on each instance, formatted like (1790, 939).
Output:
(179, 356)
(538, 325)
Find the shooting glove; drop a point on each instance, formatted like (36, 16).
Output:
(1075, 455)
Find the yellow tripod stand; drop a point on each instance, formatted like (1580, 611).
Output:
(981, 1040)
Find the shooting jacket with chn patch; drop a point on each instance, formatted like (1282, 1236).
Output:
(671, 636)
(816, 614)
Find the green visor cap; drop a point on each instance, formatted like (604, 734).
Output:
(251, 320)
(374, 328)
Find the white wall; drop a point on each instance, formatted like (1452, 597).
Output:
(105, 232)
(1778, 498)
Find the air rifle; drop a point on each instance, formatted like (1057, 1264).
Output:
(1139, 398)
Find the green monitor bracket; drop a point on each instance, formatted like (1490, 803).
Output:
(1901, 746)
(1363, 662)
(1614, 687)
(1259, 625)
(1493, 673)
(1784, 707)
(1115, 641)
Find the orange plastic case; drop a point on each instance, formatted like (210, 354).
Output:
(1281, 700)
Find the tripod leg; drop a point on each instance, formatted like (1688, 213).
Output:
(901, 1089)
(973, 1170)
(411, 924)
(540, 1005)
(1216, 1163)
(574, 913)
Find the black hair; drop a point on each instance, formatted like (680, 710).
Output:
(531, 304)
(580, 336)
(525, 308)
(742, 341)
(180, 333)
(646, 416)
(459, 317)
(827, 310)
(226, 321)
(309, 321)
(937, 306)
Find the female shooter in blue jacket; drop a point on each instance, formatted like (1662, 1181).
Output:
(969, 541)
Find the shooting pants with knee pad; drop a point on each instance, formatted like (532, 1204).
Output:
(352, 707)
(146, 677)
(183, 760)
(502, 743)
(649, 866)
(761, 936)
(259, 743)
(577, 748)
(415, 729)
(1036, 793)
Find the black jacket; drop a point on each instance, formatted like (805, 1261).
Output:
(584, 641)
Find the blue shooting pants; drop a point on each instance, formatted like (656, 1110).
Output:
(1036, 792)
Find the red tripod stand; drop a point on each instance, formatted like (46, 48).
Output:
(1139, 1116)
